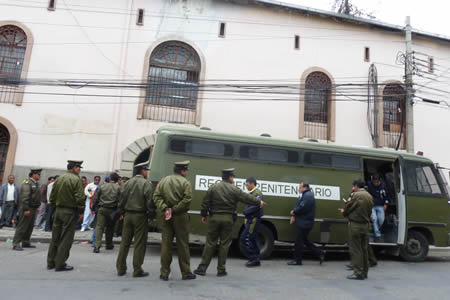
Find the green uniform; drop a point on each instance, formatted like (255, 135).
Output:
(137, 206)
(220, 204)
(174, 192)
(67, 200)
(30, 193)
(358, 211)
(107, 199)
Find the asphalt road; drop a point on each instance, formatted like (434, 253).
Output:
(24, 276)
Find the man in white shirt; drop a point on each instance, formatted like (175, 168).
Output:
(49, 216)
(9, 200)
(89, 191)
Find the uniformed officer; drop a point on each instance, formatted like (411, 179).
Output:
(136, 208)
(67, 201)
(30, 198)
(107, 199)
(119, 224)
(249, 237)
(220, 205)
(173, 197)
(358, 211)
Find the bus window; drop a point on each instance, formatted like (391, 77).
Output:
(421, 179)
(318, 159)
(346, 162)
(201, 147)
(269, 154)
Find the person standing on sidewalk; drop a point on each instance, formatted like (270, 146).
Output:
(173, 197)
(89, 192)
(106, 199)
(67, 201)
(220, 205)
(30, 200)
(253, 214)
(43, 209)
(50, 210)
(137, 210)
(358, 211)
(9, 200)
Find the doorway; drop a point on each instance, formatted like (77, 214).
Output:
(385, 170)
(4, 146)
(144, 156)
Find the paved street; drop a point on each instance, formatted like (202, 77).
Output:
(24, 276)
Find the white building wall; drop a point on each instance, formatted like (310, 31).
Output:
(100, 40)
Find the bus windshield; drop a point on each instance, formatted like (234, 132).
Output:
(446, 187)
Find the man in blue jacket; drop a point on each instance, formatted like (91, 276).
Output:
(9, 200)
(253, 214)
(303, 216)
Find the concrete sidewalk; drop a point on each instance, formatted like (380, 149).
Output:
(154, 238)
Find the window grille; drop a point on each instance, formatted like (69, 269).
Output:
(173, 81)
(317, 98)
(13, 45)
(394, 115)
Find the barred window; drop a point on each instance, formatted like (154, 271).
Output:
(13, 44)
(173, 80)
(394, 115)
(317, 98)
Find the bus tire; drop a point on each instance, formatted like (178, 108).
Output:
(416, 247)
(266, 241)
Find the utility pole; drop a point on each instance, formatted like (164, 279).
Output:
(409, 89)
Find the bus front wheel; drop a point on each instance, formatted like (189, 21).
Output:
(415, 248)
(266, 242)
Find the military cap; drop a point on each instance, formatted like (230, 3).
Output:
(229, 172)
(183, 165)
(35, 171)
(143, 165)
(75, 163)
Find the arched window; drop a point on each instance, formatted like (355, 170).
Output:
(394, 115)
(13, 45)
(317, 105)
(173, 79)
(4, 145)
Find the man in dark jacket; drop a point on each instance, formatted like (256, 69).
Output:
(303, 216)
(9, 201)
(253, 214)
(377, 190)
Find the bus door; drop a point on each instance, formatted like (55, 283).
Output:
(402, 212)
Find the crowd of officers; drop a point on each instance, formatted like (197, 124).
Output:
(138, 204)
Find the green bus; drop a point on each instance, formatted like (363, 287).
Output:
(418, 216)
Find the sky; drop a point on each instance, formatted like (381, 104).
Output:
(430, 15)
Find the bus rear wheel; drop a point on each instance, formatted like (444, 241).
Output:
(266, 242)
(416, 247)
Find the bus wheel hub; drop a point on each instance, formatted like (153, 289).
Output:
(414, 246)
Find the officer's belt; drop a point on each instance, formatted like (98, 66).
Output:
(351, 221)
(115, 207)
(135, 211)
(67, 207)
